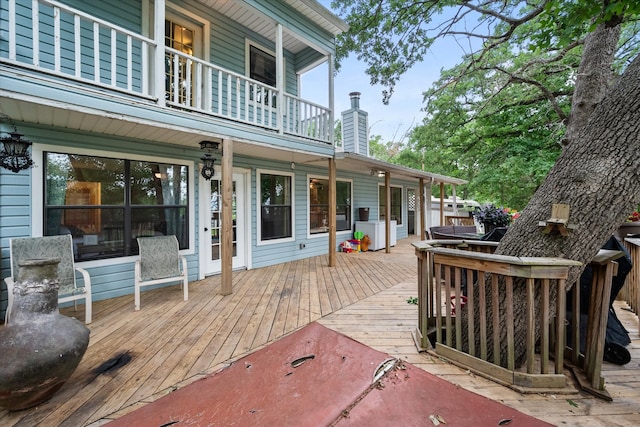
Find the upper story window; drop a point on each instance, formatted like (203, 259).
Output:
(106, 203)
(319, 205)
(262, 66)
(276, 206)
(396, 203)
(184, 36)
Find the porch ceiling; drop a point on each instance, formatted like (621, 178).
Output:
(61, 115)
(251, 18)
(367, 165)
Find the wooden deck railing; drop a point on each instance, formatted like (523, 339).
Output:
(631, 290)
(450, 271)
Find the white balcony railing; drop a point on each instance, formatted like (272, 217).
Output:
(75, 45)
(307, 119)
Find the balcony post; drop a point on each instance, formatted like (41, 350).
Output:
(158, 73)
(331, 101)
(279, 79)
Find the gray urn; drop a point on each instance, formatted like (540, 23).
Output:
(40, 347)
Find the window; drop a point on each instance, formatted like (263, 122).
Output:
(262, 66)
(396, 203)
(185, 37)
(319, 205)
(105, 203)
(275, 206)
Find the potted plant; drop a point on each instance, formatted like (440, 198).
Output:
(491, 216)
(631, 227)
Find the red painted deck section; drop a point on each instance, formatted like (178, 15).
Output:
(335, 386)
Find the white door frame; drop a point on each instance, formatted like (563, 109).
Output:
(244, 227)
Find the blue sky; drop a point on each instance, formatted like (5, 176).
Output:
(403, 112)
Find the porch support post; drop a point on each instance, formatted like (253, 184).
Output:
(279, 79)
(455, 199)
(158, 53)
(332, 212)
(428, 207)
(226, 248)
(387, 215)
(421, 206)
(442, 203)
(331, 102)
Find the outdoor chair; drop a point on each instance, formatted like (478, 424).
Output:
(451, 231)
(159, 262)
(61, 247)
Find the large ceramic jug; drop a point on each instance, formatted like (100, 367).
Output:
(40, 347)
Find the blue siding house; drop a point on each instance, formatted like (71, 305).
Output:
(127, 101)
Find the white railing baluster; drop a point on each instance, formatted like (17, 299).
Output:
(129, 64)
(176, 80)
(56, 38)
(229, 94)
(77, 51)
(220, 86)
(35, 31)
(114, 57)
(198, 85)
(187, 83)
(208, 88)
(12, 30)
(146, 53)
(96, 52)
(247, 97)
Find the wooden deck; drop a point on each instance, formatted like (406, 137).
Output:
(171, 343)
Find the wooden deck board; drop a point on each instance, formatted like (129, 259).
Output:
(173, 343)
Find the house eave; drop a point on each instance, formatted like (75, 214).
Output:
(314, 10)
(364, 164)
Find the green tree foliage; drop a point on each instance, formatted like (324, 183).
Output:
(497, 119)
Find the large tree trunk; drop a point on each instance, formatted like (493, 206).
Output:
(597, 175)
(594, 77)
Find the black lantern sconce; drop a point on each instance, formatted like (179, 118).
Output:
(15, 150)
(207, 171)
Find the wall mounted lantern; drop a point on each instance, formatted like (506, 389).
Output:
(207, 171)
(15, 150)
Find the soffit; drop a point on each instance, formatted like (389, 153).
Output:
(263, 25)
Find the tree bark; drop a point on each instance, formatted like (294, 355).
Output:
(594, 77)
(597, 176)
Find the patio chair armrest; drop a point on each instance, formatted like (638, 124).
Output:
(183, 259)
(88, 299)
(137, 271)
(86, 279)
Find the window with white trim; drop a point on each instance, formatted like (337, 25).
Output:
(106, 203)
(261, 66)
(276, 205)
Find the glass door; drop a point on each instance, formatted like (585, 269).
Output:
(214, 231)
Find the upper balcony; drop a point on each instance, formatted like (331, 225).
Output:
(221, 59)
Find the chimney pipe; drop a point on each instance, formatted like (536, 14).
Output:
(355, 99)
